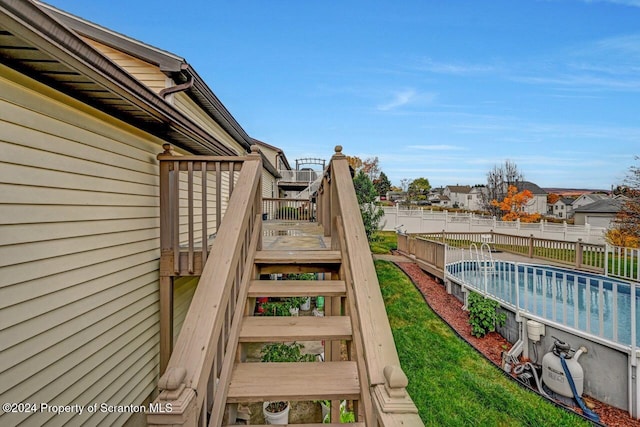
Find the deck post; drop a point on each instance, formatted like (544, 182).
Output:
(166, 321)
(166, 245)
(579, 253)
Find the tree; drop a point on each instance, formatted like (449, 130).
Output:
(366, 194)
(418, 189)
(498, 181)
(626, 226)
(404, 184)
(355, 162)
(513, 204)
(371, 166)
(382, 184)
(552, 198)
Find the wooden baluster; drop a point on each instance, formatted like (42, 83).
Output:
(205, 233)
(218, 195)
(190, 217)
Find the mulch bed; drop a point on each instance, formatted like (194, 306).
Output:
(449, 308)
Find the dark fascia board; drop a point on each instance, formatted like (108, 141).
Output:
(269, 167)
(167, 61)
(218, 111)
(278, 150)
(171, 64)
(26, 20)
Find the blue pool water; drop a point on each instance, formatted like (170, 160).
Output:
(594, 304)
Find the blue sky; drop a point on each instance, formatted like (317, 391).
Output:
(437, 89)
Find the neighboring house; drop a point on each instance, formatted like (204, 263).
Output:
(83, 113)
(599, 213)
(538, 203)
(394, 196)
(458, 195)
(275, 161)
(476, 198)
(562, 208)
(440, 200)
(587, 199)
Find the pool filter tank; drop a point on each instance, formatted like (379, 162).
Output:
(552, 373)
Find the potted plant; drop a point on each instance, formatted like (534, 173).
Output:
(305, 303)
(346, 416)
(278, 412)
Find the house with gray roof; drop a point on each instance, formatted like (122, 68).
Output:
(599, 213)
(587, 199)
(458, 195)
(562, 208)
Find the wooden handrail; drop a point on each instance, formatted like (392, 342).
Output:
(195, 377)
(338, 210)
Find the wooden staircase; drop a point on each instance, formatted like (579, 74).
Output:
(333, 379)
(205, 375)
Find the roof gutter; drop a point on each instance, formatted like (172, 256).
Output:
(28, 21)
(177, 88)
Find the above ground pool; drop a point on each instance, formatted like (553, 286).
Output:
(598, 305)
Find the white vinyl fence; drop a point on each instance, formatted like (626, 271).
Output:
(428, 221)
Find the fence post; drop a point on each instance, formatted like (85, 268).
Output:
(606, 259)
(531, 246)
(579, 253)
(444, 234)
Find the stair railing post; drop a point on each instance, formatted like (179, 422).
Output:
(333, 194)
(174, 399)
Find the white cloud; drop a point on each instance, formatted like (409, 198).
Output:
(406, 97)
(455, 69)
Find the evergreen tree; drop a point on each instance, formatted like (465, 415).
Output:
(366, 193)
(382, 184)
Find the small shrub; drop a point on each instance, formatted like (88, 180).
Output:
(281, 352)
(483, 315)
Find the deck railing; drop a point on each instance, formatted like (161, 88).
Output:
(388, 403)
(623, 263)
(577, 254)
(195, 191)
(194, 385)
(288, 209)
(302, 176)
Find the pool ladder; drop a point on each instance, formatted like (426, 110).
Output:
(484, 262)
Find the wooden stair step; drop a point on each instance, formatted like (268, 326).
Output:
(295, 328)
(298, 257)
(312, 425)
(260, 382)
(296, 288)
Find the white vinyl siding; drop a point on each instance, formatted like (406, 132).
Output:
(79, 253)
(268, 185)
(211, 197)
(183, 290)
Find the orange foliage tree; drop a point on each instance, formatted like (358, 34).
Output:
(513, 205)
(552, 198)
(625, 230)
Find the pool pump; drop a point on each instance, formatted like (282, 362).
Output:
(553, 374)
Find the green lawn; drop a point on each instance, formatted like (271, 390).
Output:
(451, 384)
(383, 242)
